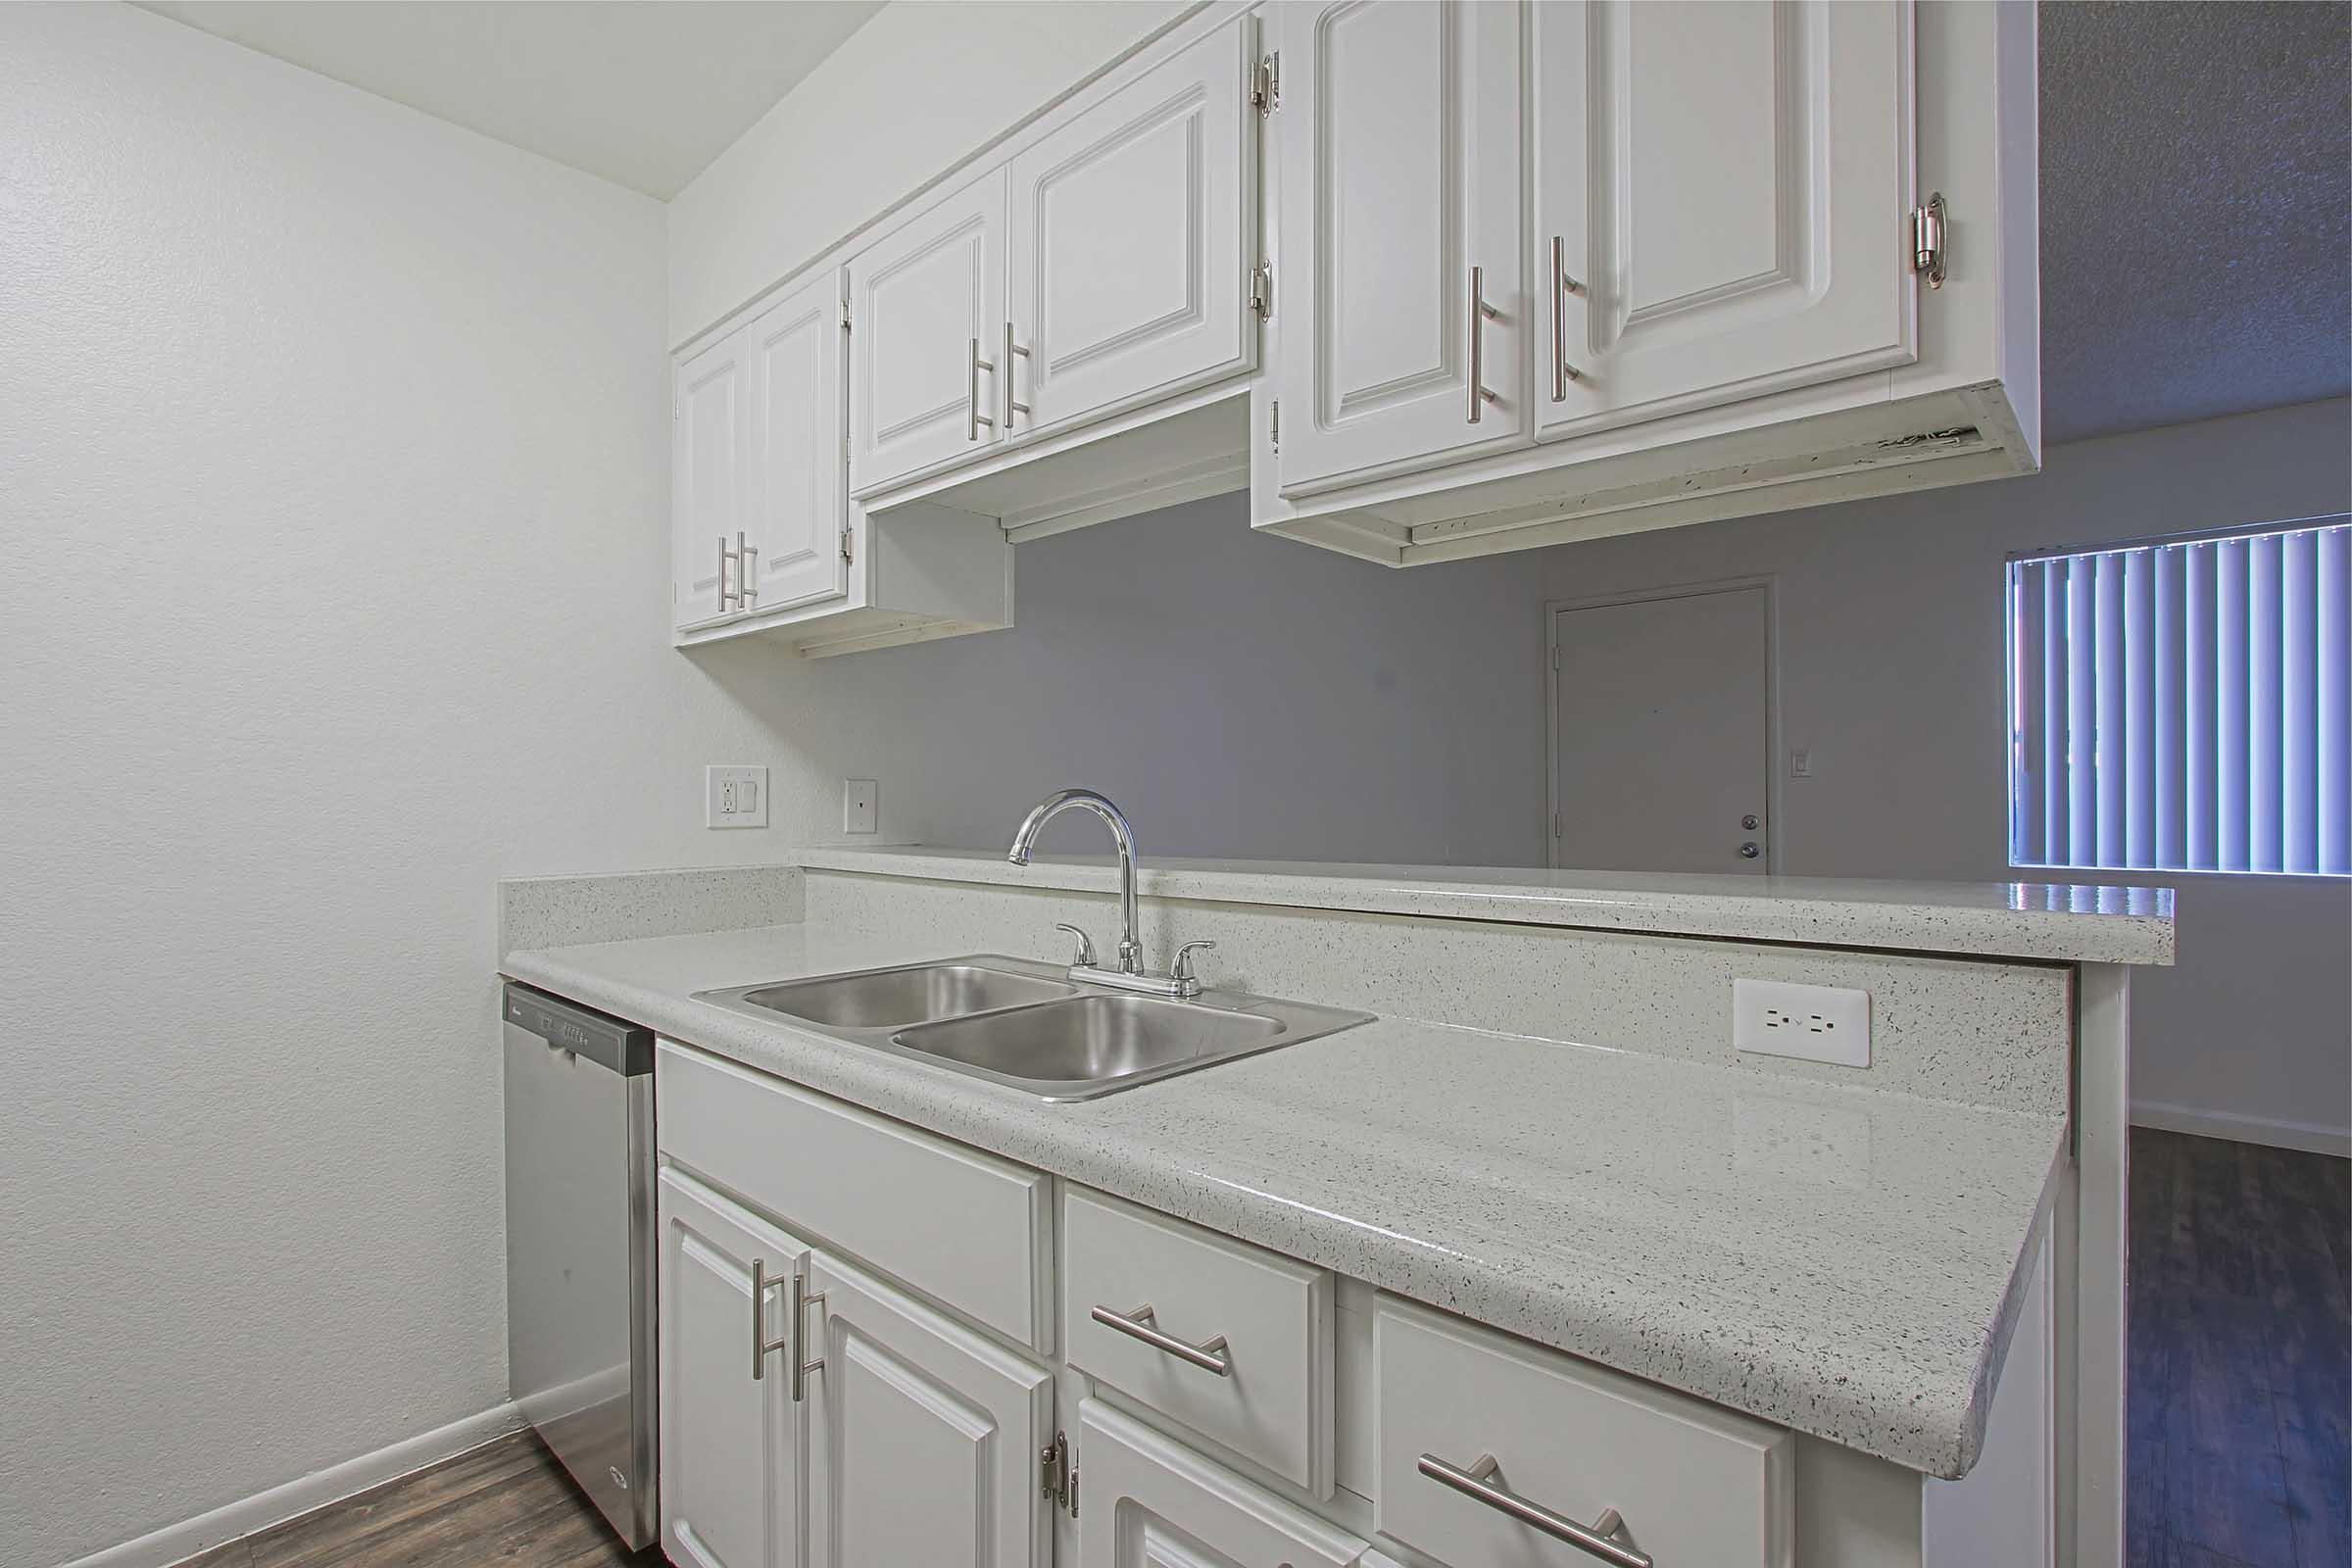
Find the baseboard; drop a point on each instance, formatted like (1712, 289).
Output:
(2311, 1137)
(177, 1542)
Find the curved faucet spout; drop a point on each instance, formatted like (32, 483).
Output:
(1024, 841)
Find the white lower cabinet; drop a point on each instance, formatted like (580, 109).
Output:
(1150, 1502)
(731, 1443)
(925, 1436)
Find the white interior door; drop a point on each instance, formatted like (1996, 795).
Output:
(1131, 227)
(1662, 733)
(925, 1437)
(707, 477)
(1728, 183)
(731, 1445)
(1150, 1502)
(798, 414)
(926, 312)
(1400, 164)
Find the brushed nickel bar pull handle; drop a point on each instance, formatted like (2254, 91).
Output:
(802, 1366)
(745, 553)
(1211, 1356)
(1479, 1482)
(724, 555)
(761, 1343)
(1481, 313)
(1013, 385)
(978, 419)
(1562, 285)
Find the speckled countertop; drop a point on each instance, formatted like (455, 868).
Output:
(1845, 1262)
(2065, 922)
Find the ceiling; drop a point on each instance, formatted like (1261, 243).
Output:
(2196, 158)
(2196, 209)
(644, 94)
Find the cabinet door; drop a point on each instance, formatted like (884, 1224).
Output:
(707, 501)
(1131, 234)
(926, 321)
(1728, 183)
(797, 414)
(1150, 1502)
(1400, 174)
(731, 1445)
(924, 1437)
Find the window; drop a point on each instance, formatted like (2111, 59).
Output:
(2184, 705)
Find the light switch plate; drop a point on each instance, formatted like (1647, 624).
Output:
(1813, 1023)
(734, 797)
(857, 807)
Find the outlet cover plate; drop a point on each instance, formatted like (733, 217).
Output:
(734, 797)
(857, 805)
(1812, 1023)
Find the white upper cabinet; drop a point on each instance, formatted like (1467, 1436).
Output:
(925, 1437)
(927, 338)
(708, 510)
(1131, 243)
(1721, 193)
(1402, 312)
(797, 414)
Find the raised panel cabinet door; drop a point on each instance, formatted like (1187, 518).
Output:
(926, 339)
(924, 1437)
(1129, 243)
(1148, 1501)
(732, 1471)
(1723, 191)
(1400, 176)
(799, 412)
(708, 480)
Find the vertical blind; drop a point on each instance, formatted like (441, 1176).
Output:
(2184, 706)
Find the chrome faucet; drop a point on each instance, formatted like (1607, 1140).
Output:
(1131, 974)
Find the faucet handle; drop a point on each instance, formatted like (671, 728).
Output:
(1086, 945)
(1182, 969)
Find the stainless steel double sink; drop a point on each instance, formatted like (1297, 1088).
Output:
(1027, 1025)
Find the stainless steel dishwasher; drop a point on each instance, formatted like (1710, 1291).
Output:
(580, 1246)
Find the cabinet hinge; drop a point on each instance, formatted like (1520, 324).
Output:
(845, 317)
(1057, 1476)
(1261, 290)
(1274, 425)
(1266, 83)
(1927, 240)
(846, 537)
(1555, 824)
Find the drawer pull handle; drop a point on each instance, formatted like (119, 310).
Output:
(1482, 1481)
(1210, 1357)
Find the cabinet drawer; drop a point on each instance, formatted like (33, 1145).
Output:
(968, 1229)
(1697, 1487)
(1265, 1319)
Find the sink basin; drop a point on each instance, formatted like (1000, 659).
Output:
(892, 998)
(1019, 1023)
(1061, 1049)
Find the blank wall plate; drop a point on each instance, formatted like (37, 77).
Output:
(857, 805)
(734, 797)
(1813, 1023)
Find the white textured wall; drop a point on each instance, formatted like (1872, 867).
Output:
(916, 89)
(1891, 674)
(333, 495)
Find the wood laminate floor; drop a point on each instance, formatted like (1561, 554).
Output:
(2242, 1392)
(506, 1503)
(2240, 1356)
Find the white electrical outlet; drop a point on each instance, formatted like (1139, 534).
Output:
(1813, 1023)
(857, 805)
(734, 797)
